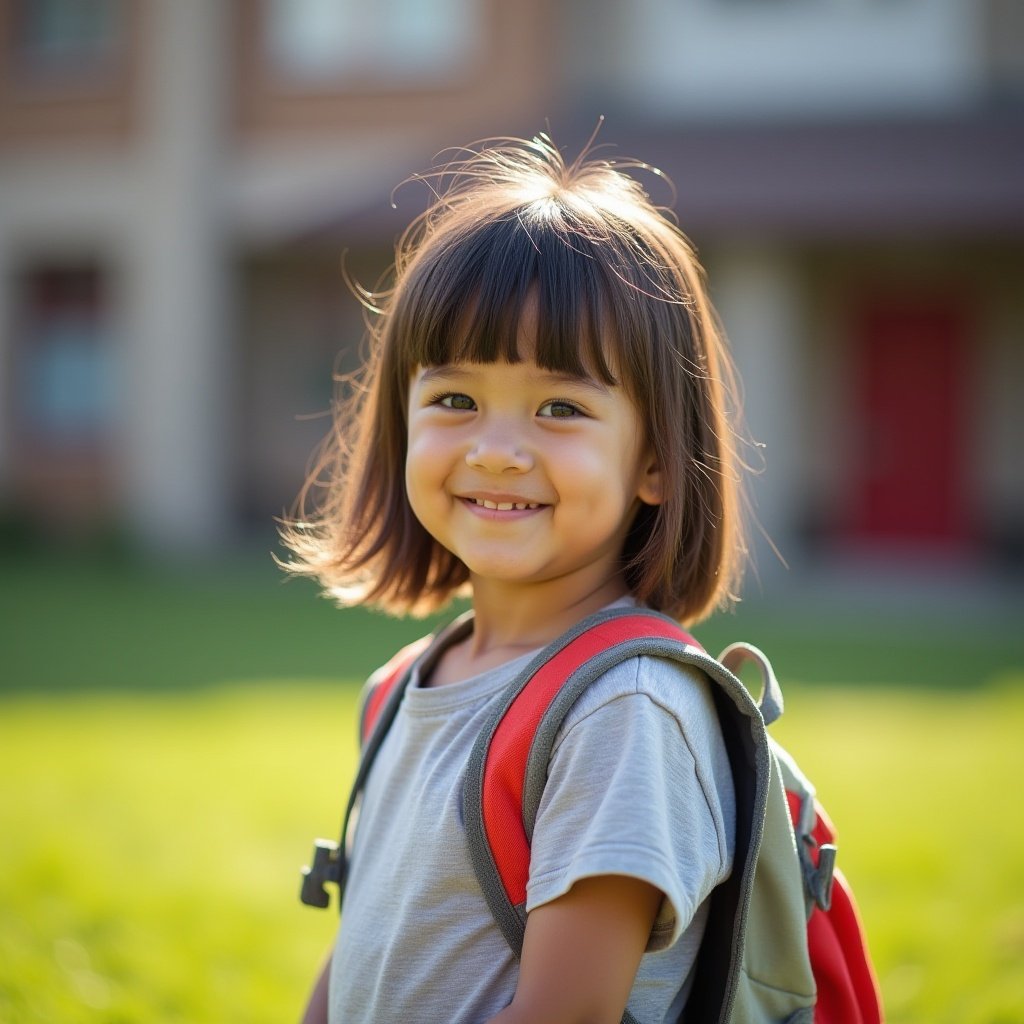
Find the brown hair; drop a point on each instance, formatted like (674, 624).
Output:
(618, 293)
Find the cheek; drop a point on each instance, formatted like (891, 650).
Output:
(417, 489)
(599, 466)
(425, 467)
(414, 467)
(421, 453)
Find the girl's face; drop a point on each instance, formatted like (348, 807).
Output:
(526, 475)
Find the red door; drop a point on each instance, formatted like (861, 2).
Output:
(911, 386)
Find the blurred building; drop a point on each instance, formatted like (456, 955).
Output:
(179, 179)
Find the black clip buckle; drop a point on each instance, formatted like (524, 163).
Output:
(824, 876)
(818, 879)
(326, 868)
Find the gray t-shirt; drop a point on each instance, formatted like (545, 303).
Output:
(639, 785)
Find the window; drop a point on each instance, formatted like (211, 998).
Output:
(398, 41)
(64, 378)
(58, 36)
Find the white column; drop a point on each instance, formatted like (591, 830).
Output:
(756, 289)
(177, 411)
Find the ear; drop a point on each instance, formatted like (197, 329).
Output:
(650, 487)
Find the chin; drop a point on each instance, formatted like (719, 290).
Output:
(503, 570)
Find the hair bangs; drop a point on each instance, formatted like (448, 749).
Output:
(513, 279)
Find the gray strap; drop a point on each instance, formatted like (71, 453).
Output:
(512, 919)
(770, 703)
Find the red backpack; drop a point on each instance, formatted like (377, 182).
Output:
(783, 941)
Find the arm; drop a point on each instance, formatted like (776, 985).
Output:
(316, 1009)
(581, 953)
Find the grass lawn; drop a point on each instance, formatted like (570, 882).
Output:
(151, 847)
(169, 747)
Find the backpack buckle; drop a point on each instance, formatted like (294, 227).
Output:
(820, 878)
(327, 868)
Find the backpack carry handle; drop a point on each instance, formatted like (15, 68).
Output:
(770, 703)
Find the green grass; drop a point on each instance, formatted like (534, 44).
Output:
(931, 836)
(170, 745)
(151, 848)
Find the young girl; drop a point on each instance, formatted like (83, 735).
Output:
(544, 427)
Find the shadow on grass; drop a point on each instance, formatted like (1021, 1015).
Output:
(86, 623)
(74, 623)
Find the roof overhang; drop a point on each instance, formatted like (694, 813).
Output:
(956, 175)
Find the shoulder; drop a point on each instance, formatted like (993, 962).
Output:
(659, 688)
(638, 782)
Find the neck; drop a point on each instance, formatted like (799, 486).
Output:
(516, 619)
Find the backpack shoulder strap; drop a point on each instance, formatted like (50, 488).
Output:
(387, 679)
(381, 700)
(508, 767)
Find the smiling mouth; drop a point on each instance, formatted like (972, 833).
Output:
(504, 506)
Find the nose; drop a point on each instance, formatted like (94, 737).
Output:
(497, 449)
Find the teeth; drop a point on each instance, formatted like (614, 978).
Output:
(505, 506)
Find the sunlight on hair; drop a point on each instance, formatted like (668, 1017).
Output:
(621, 296)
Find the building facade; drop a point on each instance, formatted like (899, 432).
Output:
(179, 182)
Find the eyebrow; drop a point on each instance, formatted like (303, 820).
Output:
(447, 372)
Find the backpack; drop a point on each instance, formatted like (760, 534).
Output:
(783, 941)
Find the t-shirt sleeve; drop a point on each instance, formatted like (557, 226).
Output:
(638, 785)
